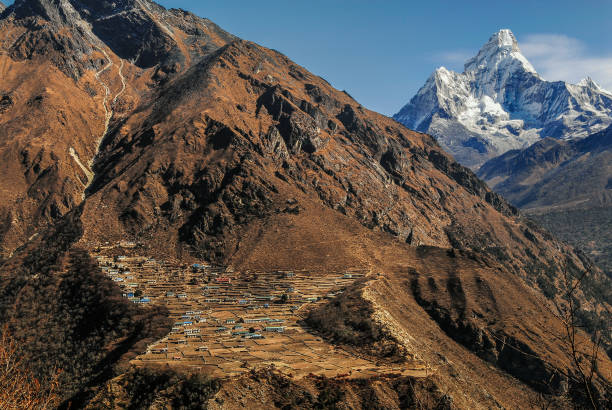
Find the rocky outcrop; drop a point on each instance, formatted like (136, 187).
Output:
(139, 31)
(299, 122)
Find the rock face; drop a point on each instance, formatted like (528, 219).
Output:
(139, 31)
(500, 103)
(211, 147)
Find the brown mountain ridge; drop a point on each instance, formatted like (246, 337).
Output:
(198, 145)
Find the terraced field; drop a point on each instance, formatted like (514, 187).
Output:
(227, 323)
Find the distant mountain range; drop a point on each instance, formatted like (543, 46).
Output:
(555, 174)
(500, 103)
(566, 186)
(545, 146)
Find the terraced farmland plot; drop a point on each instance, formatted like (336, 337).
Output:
(227, 323)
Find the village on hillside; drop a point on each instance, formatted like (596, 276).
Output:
(226, 323)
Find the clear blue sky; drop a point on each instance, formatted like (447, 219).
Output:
(381, 52)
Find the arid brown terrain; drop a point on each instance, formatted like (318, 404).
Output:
(126, 122)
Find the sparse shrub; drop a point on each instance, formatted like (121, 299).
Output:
(330, 395)
(19, 389)
(144, 386)
(347, 319)
(547, 286)
(64, 313)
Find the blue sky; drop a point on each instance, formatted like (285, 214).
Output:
(382, 52)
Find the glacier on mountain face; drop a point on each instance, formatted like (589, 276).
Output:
(501, 103)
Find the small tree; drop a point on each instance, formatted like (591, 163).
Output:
(19, 389)
(583, 356)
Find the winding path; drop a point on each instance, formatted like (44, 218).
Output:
(108, 115)
(108, 111)
(122, 83)
(85, 170)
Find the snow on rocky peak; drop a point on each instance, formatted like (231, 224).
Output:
(589, 83)
(501, 50)
(501, 103)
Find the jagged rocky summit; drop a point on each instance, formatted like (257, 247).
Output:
(500, 103)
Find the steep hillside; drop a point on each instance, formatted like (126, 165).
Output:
(270, 167)
(62, 81)
(500, 103)
(263, 131)
(67, 318)
(196, 145)
(588, 229)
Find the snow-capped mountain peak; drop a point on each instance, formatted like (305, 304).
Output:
(501, 50)
(589, 83)
(501, 103)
